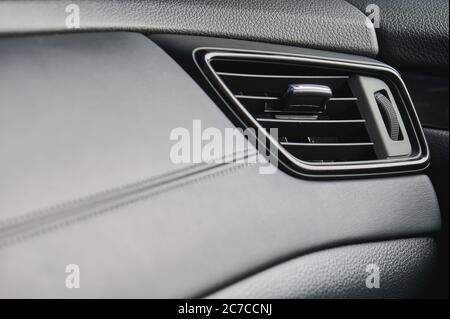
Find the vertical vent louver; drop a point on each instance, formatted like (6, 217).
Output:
(328, 117)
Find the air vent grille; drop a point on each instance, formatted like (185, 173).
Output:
(329, 115)
(336, 134)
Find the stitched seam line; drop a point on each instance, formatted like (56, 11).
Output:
(37, 213)
(39, 230)
(146, 182)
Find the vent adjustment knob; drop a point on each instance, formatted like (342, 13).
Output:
(389, 116)
(308, 98)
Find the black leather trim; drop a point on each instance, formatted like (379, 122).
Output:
(430, 96)
(405, 269)
(439, 170)
(412, 34)
(322, 24)
(439, 174)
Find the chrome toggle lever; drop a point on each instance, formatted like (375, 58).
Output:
(307, 98)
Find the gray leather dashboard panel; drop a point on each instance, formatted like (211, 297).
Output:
(323, 24)
(96, 110)
(87, 179)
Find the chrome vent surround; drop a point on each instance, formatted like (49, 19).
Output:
(347, 135)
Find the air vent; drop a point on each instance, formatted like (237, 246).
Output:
(330, 117)
(333, 131)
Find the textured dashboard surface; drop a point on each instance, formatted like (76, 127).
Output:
(438, 141)
(187, 239)
(405, 266)
(88, 128)
(324, 24)
(412, 33)
(439, 172)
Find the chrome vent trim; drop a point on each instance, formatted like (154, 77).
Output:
(204, 58)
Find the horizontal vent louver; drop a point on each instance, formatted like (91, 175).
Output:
(338, 133)
(335, 115)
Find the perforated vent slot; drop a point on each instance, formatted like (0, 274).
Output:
(336, 133)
